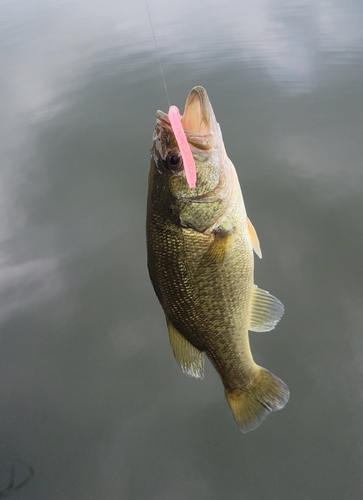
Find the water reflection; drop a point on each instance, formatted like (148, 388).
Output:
(90, 392)
(12, 487)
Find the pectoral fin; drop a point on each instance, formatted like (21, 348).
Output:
(266, 311)
(254, 238)
(217, 249)
(190, 359)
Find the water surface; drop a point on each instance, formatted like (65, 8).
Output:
(90, 394)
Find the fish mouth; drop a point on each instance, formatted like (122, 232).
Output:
(204, 133)
(205, 140)
(198, 116)
(198, 120)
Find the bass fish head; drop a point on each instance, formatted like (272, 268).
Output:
(201, 206)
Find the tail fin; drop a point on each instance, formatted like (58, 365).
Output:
(264, 394)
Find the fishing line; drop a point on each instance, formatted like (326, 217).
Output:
(176, 125)
(158, 53)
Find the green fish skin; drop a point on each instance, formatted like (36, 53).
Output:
(200, 257)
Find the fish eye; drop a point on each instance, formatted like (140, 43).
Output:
(174, 161)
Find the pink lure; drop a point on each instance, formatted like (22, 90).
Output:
(185, 151)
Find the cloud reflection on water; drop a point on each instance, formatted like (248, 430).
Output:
(89, 385)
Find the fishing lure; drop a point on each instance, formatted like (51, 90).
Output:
(185, 151)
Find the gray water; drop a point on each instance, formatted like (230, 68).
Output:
(90, 394)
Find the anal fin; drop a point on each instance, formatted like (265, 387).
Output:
(266, 311)
(189, 358)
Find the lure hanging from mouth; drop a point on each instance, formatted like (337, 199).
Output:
(185, 151)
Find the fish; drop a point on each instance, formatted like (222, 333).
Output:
(200, 245)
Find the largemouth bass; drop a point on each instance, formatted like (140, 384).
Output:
(200, 259)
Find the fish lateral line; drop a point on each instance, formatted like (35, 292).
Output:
(182, 141)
